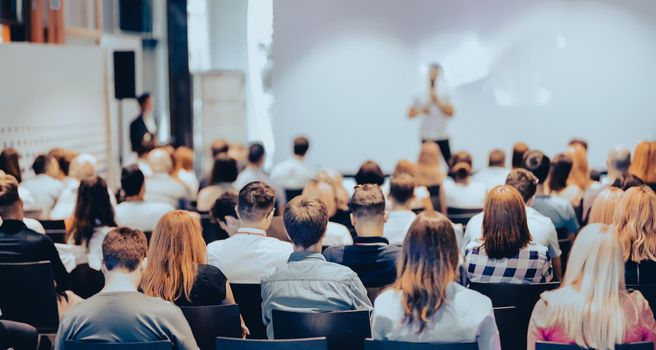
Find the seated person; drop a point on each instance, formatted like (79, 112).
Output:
(253, 170)
(249, 254)
(134, 212)
(370, 173)
(506, 254)
(370, 256)
(592, 307)
(603, 208)
(496, 172)
(429, 175)
(224, 218)
(462, 192)
(82, 167)
(184, 169)
(400, 214)
(307, 282)
(447, 312)
(44, 187)
(161, 186)
(224, 174)
(293, 173)
(337, 235)
(561, 167)
(119, 313)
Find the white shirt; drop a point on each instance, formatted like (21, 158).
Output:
(491, 177)
(337, 235)
(434, 124)
(249, 175)
(572, 193)
(397, 225)
(248, 255)
(141, 215)
(91, 255)
(464, 196)
(45, 190)
(291, 174)
(465, 316)
(208, 195)
(164, 188)
(542, 231)
(189, 179)
(25, 196)
(66, 202)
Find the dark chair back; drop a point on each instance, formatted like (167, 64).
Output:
(370, 344)
(565, 247)
(27, 294)
(249, 299)
(258, 344)
(209, 322)
(461, 216)
(86, 345)
(55, 229)
(505, 318)
(648, 291)
(434, 192)
(15, 335)
(86, 282)
(291, 193)
(559, 346)
(211, 231)
(342, 329)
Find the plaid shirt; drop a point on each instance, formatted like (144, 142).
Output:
(531, 265)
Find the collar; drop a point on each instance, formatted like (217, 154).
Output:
(251, 231)
(300, 256)
(370, 241)
(12, 226)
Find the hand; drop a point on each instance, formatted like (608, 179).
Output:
(245, 332)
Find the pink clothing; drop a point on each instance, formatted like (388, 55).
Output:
(639, 324)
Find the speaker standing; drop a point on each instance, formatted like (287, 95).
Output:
(143, 129)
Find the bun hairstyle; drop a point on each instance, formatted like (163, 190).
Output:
(460, 165)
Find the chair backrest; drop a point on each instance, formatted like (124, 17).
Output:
(370, 344)
(27, 294)
(565, 247)
(258, 344)
(209, 322)
(648, 291)
(342, 329)
(249, 299)
(559, 346)
(461, 216)
(86, 282)
(55, 229)
(85, 345)
(434, 192)
(506, 318)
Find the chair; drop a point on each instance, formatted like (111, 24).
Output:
(342, 329)
(249, 299)
(85, 281)
(505, 318)
(16, 335)
(55, 229)
(87, 345)
(434, 192)
(258, 344)
(558, 346)
(371, 344)
(28, 295)
(648, 291)
(565, 247)
(461, 216)
(209, 322)
(291, 193)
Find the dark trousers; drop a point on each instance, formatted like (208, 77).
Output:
(19, 336)
(444, 148)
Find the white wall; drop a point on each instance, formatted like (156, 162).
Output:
(540, 71)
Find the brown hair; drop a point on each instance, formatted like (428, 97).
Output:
(461, 166)
(323, 191)
(402, 188)
(93, 208)
(255, 201)
(184, 158)
(405, 166)
(124, 247)
(635, 219)
(497, 158)
(368, 201)
(305, 220)
(580, 174)
(370, 173)
(505, 229)
(8, 191)
(524, 181)
(427, 265)
(644, 162)
(604, 205)
(518, 152)
(9, 163)
(561, 168)
(429, 171)
(176, 250)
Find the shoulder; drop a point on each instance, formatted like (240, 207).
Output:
(340, 272)
(211, 271)
(637, 300)
(472, 299)
(537, 251)
(334, 253)
(278, 244)
(388, 302)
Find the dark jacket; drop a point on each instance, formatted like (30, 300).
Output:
(138, 138)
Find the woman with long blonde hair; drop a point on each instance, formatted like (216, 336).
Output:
(592, 307)
(603, 207)
(426, 304)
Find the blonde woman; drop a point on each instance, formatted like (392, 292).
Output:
(430, 174)
(603, 207)
(635, 218)
(592, 308)
(184, 169)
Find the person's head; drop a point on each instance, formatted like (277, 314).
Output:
(184, 158)
(538, 163)
(176, 250)
(460, 166)
(603, 207)
(497, 158)
(255, 205)
(505, 228)
(306, 220)
(370, 173)
(256, 154)
(618, 162)
(160, 161)
(580, 174)
(145, 102)
(132, 182)
(335, 179)
(524, 182)
(9, 163)
(588, 303)
(368, 214)
(519, 149)
(640, 163)
(429, 169)
(428, 264)
(224, 170)
(11, 206)
(635, 219)
(83, 167)
(45, 164)
(434, 70)
(219, 146)
(578, 142)
(93, 209)
(561, 167)
(64, 158)
(626, 181)
(324, 192)
(124, 250)
(301, 146)
(223, 213)
(405, 166)
(402, 189)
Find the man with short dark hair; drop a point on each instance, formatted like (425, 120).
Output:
(370, 256)
(44, 187)
(496, 171)
(249, 254)
(119, 313)
(134, 211)
(400, 215)
(253, 171)
(293, 173)
(224, 216)
(308, 283)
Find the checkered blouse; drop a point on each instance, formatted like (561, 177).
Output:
(531, 265)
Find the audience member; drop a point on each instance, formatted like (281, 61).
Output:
(224, 216)
(400, 214)
(82, 167)
(618, 163)
(134, 212)
(162, 187)
(224, 174)
(293, 173)
(604, 206)
(119, 313)
(578, 142)
(541, 228)
(337, 235)
(219, 146)
(44, 186)
(496, 172)
(559, 210)
(519, 150)
(10, 164)
(253, 171)
(462, 192)
(624, 182)
(635, 219)
(370, 173)
(506, 253)
(184, 169)
(249, 254)
(580, 173)
(592, 307)
(426, 304)
(641, 165)
(307, 282)
(343, 214)
(64, 158)
(557, 182)
(421, 199)
(430, 175)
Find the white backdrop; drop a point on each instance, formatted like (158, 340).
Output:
(536, 71)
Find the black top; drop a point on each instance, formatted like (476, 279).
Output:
(138, 132)
(209, 288)
(344, 217)
(372, 258)
(642, 273)
(20, 244)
